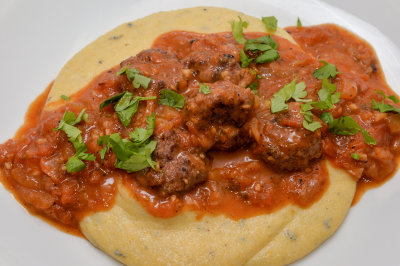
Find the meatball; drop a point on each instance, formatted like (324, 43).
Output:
(219, 114)
(282, 142)
(211, 66)
(226, 103)
(162, 67)
(180, 169)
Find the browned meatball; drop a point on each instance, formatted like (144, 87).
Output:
(180, 169)
(219, 114)
(162, 67)
(282, 141)
(211, 66)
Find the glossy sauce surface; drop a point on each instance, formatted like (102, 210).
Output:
(239, 184)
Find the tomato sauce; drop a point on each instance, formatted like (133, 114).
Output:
(239, 183)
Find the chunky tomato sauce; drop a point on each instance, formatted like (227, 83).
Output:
(239, 179)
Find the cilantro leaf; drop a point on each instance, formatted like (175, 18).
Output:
(257, 46)
(267, 56)
(253, 87)
(345, 125)
(267, 40)
(326, 97)
(391, 97)
(300, 92)
(355, 156)
(237, 30)
(299, 24)
(382, 106)
(171, 98)
(104, 140)
(368, 138)
(244, 59)
(140, 135)
(112, 100)
(65, 97)
(204, 89)
(291, 90)
(265, 44)
(279, 99)
(132, 157)
(74, 163)
(308, 122)
(326, 71)
(125, 105)
(135, 77)
(311, 126)
(327, 117)
(271, 23)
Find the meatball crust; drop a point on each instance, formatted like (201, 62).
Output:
(283, 143)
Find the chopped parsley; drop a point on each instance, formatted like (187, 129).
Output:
(297, 92)
(326, 71)
(171, 98)
(345, 125)
(141, 135)
(265, 45)
(134, 154)
(65, 97)
(384, 107)
(271, 23)
(125, 105)
(355, 156)
(327, 97)
(253, 87)
(291, 90)
(67, 124)
(299, 24)
(244, 59)
(368, 138)
(135, 77)
(104, 140)
(237, 30)
(308, 122)
(204, 89)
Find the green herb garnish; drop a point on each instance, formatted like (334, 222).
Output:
(345, 125)
(291, 90)
(75, 163)
(265, 44)
(253, 87)
(299, 24)
(237, 30)
(135, 154)
(355, 156)
(368, 138)
(104, 140)
(244, 59)
(308, 122)
(171, 98)
(326, 71)
(141, 135)
(384, 107)
(271, 23)
(135, 77)
(65, 97)
(125, 105)
(327, 97)
(204, 89)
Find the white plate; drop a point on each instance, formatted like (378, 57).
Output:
(38, 37)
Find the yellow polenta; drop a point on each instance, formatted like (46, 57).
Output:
(132, 236)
